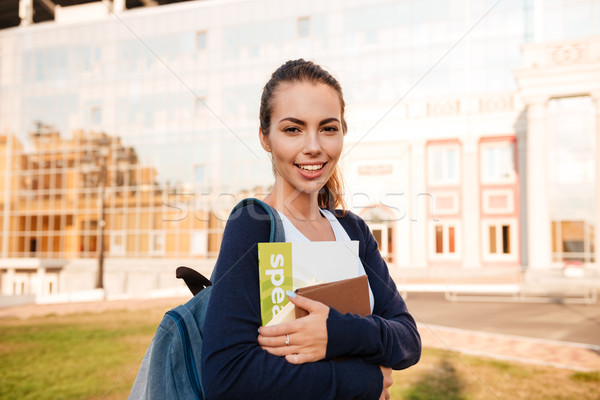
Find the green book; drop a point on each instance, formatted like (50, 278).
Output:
(290, 266)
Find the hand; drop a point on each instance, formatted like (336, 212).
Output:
(387, 383)
(307, 335)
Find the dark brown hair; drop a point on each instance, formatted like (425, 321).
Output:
(331, 195)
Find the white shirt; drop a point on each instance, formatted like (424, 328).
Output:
(292, 234)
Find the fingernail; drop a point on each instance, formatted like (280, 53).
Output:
(290, 294)
(258, 331)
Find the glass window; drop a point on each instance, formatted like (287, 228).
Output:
(383, 234)
(303, 26)
(499, 240)
(492, 242)
(451, 240)
(506, 239)
(199, 243)
(553, 23)
(573, 241)
(157, 242)
(199, 173)
(445, 240)
(117, 243)
(440, 9)
(571, 166)
(201, 41)
(443, 161)
(96, 115)
(577, 21)
(497, 162)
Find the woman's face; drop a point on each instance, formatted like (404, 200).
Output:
(305, 138)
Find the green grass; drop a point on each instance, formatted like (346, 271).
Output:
(445, 375)
(96, 356)
(73, 357)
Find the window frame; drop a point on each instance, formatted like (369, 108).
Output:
(303, 31)
(204, 234)
(154, 234)
(499, 256)
(588, 254)
(445, 148)
(484, 161)
(201, 40)
(114, 249)
(446, 254)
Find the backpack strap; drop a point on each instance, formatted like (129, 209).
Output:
(277, 231)
(197, 282)
(193, 279)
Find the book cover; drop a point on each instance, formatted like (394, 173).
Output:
(290, 266)
(346, 296)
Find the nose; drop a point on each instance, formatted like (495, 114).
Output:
(312, 143)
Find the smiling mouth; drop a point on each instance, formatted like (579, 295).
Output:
(311, 168)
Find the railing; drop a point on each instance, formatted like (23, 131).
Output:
(553, 286)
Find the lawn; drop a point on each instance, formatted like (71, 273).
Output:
(96, 356)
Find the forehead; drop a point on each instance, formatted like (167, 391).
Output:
(306, 99)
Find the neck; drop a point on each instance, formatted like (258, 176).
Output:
(293, 203)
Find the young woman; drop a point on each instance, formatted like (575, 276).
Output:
(325, 355)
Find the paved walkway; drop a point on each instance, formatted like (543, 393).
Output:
(506, 347)
(581, 357)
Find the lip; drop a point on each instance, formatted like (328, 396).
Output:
(311, 174)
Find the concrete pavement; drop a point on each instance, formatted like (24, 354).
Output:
(555, 334)
(559, 354)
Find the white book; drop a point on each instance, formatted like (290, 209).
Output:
(289, 266)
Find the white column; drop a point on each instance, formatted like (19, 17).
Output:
(539, 241)
(521, 132)
(417, 203)
(8, 283)
(471, 248)
(41, 278)
(7, 196)
(402, 224)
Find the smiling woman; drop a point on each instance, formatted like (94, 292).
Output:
(302, 87)
(305, 142)
(302, 126)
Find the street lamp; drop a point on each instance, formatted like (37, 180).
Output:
(97, 160)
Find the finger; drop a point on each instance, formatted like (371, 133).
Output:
(303, 357)
(275, 330)
(293, 359)
(307, 304)
(281, 351)
(296, 358)
(271, 341)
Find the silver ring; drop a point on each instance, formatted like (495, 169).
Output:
(287, 339)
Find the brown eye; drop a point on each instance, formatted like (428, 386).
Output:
(331, 129)
(291, 129)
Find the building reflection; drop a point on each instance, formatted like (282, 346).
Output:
(56, 193)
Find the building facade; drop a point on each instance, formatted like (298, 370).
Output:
(473, 126)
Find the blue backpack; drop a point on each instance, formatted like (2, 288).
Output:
(171, 366)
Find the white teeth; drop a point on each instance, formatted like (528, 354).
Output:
(314, 167)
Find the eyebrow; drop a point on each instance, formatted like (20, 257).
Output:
(302, 123)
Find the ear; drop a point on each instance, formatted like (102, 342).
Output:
(264, 140)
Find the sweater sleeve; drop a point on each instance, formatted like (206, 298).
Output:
(389, 336)
(233, 364)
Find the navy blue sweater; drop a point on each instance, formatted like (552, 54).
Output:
(235, 367)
